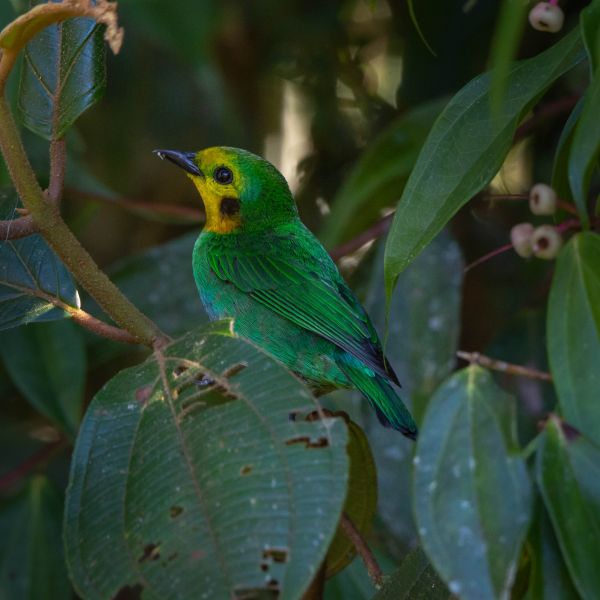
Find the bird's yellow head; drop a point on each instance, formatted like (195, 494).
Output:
(241, 191)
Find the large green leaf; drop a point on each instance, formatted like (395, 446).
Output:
(31, 277)
(568, 474)
(47, 364)
(416, 579)
(32, 564)
(466, 148)
(422, 339)
(471, 489)
(549, 578)
(185, 489)
(574, 332)
(381, 172)
(63, 74)
(590, 32)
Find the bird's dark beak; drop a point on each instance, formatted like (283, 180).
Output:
(185, 160)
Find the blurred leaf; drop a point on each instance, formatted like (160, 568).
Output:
(47, 364)
(178, 487)
(422, 339)
(573, 336)
(63, 74)
(568, 474)
(381, 172)
(549, 578)
(416, 579)
(505, 45)
(473, 494)
(31, 278)
(560, 170)
(413, 18)
(32, 564)
(361, 500)
(590, 32)
(467, 146)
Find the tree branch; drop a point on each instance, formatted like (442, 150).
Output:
(368, 235)
(354, 535)
(475, 358)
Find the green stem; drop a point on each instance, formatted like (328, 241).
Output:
(50, 224)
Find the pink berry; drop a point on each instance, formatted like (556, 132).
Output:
(520, 238)
(542, 199)
(546, 242)
(546, 17)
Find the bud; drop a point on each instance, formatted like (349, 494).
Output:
(546, 242)
(542, 199)
(546, 17)
(520, 238)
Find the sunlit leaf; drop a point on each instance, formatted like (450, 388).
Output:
(568, 474)
(183, 488)
(32, 564)
(47, 364)
(381, 172)
(416, 579)
(63, 75)
(472, 493)
(574, 332)
(465, 149)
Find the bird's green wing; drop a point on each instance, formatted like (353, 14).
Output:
(297, 290)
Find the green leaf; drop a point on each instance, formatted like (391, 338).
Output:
(549, 578)
(422, 339)
(47, 364)
(590, 32)
(361, 500)
(465, 149)
(413, 18)
(416, 579)
(32, 564)
(63, 75)
(32, 279)
(573, 331)
(568, 474)
(381, 172)
(560, 169)
(182, 488)
(505, 44)
(472, 493)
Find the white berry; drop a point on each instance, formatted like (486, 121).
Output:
(542, 199)
(520, 238)
(546, 17)
(546, 242)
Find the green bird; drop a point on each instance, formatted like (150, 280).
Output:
(256, 262)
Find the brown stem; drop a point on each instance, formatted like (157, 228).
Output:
(13, 229)
(354, 535)
(487, 257)
(31, 463)
(545, 112)
(372, 233)
(58, 154)
(475, 358)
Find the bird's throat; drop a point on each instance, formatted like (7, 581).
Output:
(216, 220)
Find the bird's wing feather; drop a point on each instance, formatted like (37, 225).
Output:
(298, 291)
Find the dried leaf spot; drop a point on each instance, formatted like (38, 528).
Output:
(175, 511)
(246, 470)
(278, 555)
(142, 394)
(129, 592)
(234, 370)
(151, 552)
(321, 442)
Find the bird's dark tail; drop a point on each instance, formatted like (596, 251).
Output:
(389, 407)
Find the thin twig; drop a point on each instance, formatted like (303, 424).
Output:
(545, 112)
(354, 535)
(499, 365)
(491, 198)
(487, 257)
(368, 235)
(27, 466)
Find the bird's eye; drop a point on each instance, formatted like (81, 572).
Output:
(223, 175)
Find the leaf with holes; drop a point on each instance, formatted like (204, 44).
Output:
(467, 146)
(47, 363)
(415, 579)
(573, 332)
(32, 282)
(471, 489)
(63, 75)
(31, 554)
(200, 475)
(568, 475)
